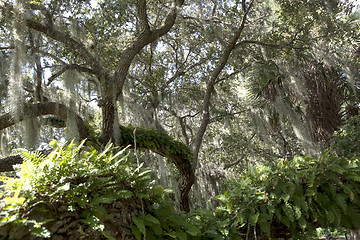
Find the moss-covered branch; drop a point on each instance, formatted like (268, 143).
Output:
(161, 143)
(154, 139)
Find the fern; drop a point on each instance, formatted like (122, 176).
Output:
(300, 193)
(35, 157)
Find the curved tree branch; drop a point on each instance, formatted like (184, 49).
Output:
(68, 67)
(45, 11)
(35, 110)
(93, 62)
(282, 45)
(169, 20)
(40, 109)
(143, 18)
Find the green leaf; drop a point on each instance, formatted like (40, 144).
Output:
(124, 194)
(253, 218)
(172, 234)
(81, 201)
(139, 224)
(265, 225)
(117, 155)
(213, 234)
(136, 232)
(177, 235)
(192, 230)
(106, 198)
(289, 212)
(152, 219)
(338, 169)
(112, 196)
(297, 211)
(181, 235)
(302, 222)
(310, 192)
(330, 216)
(157, 229)
(286, 197)
(340, 200)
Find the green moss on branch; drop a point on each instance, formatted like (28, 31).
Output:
(154, 139)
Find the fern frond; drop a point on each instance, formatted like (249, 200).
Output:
(34, 157)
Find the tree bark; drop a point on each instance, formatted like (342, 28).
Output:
(50, 31)
(186, 180)
(162, 144)
(108, 109)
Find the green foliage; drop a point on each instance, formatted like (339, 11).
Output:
(164, 222)
(346, 140)
(82, 180)
(298, 195)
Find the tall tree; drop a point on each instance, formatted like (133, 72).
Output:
(76, 37)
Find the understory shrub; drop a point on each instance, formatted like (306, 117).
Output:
(74, 192)
(293, 198)
(346, 141)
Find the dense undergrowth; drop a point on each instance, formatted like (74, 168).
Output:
(293, 198)
(77, 192)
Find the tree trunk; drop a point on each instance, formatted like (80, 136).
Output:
(108, 109)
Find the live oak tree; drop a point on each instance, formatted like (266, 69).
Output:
(177, 66)
(86, 52)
